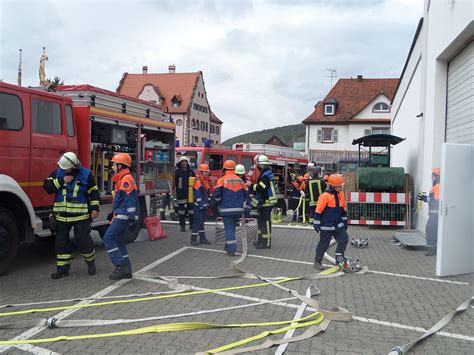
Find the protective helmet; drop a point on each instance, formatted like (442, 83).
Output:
(68, 161)
(325, 178)
(122, 158)
(229, 165)
(184, 157)
(335, 180)
(204, 167)
(437, 171)
(306, 176)
(262, 160)
(239, 169)
(313, 169)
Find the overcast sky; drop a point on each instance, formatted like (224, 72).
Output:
(264, 62)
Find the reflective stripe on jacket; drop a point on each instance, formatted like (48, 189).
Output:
(125, 196)
(264, 188)
(331, 210)
(201, 192)
(316, 188)
(230, 194)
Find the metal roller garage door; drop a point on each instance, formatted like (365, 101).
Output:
(460, 97)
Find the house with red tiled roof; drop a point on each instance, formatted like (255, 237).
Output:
(352, 108)
(183, 95)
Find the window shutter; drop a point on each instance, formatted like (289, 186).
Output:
(334, 135)
(367, 132)
(320, 135)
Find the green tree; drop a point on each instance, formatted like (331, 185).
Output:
(53, 84)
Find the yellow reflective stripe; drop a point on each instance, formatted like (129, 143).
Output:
(94, 203)
(77, 209)
(88, 255)
(64, 256)
(56, 183)
(76, 190)
(262, 185)
(72, 219)
(59, 209)
(92, 189)
(64, 194)
(63, 263)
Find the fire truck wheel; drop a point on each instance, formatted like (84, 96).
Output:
(132, 234)
(9, 239)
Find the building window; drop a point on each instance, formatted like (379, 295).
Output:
(381, 107)
(203, 125)
(327, 135)
(217, 130)
(193, 124)
(329, 109)
(175, 103)
(380, 130)
(212, 129)
(197, 125)
(207, 127)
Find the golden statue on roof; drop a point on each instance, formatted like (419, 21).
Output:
(42, 71)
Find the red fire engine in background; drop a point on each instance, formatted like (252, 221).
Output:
(37, 127)
(284, 162)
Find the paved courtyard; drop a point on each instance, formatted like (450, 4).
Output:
(391, 304)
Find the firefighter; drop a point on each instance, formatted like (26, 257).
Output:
(230, 195)
(76, 202)
(201, 189)
(264, 200)
(182, 186)
(330, 220)
(295, 196)
(125, 214)
(433, 202)
(316, 187)
(240, 172)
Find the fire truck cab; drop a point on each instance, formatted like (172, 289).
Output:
(284, 162)
(37, 127)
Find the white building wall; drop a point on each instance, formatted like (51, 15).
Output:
(346, 134)
(149, 94)
(367, 113)
(447, 28)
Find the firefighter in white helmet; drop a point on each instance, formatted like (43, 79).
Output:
(264, 200)
(75, 203)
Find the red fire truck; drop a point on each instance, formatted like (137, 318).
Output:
(284, 162)
(36, 127)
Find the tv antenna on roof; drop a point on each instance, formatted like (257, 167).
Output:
(332, 74)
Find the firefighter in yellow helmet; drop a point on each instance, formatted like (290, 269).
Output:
(330, 220)
(76, 202)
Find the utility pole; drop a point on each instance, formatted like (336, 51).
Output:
(18, 79)
(332, 74)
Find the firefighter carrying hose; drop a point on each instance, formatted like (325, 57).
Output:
(182, 186)
(264, 200)
(125, 214)
(76, 202)
(433, 202)
(330, 220)
(201, 188)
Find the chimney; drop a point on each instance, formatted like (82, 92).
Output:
(145, 69)
(172, 69)
(359, 77)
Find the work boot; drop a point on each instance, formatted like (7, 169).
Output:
(431, 251)
(261, 246)
(162, 216)
(183, 228)
(204, 241)
(231, 253)
(60, 272)
(91, 269)
(318, 265)
(194, 240)
(121, 272)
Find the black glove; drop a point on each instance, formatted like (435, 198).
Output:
(316, 227)
(422, 197)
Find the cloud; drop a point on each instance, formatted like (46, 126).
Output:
(264, 62)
